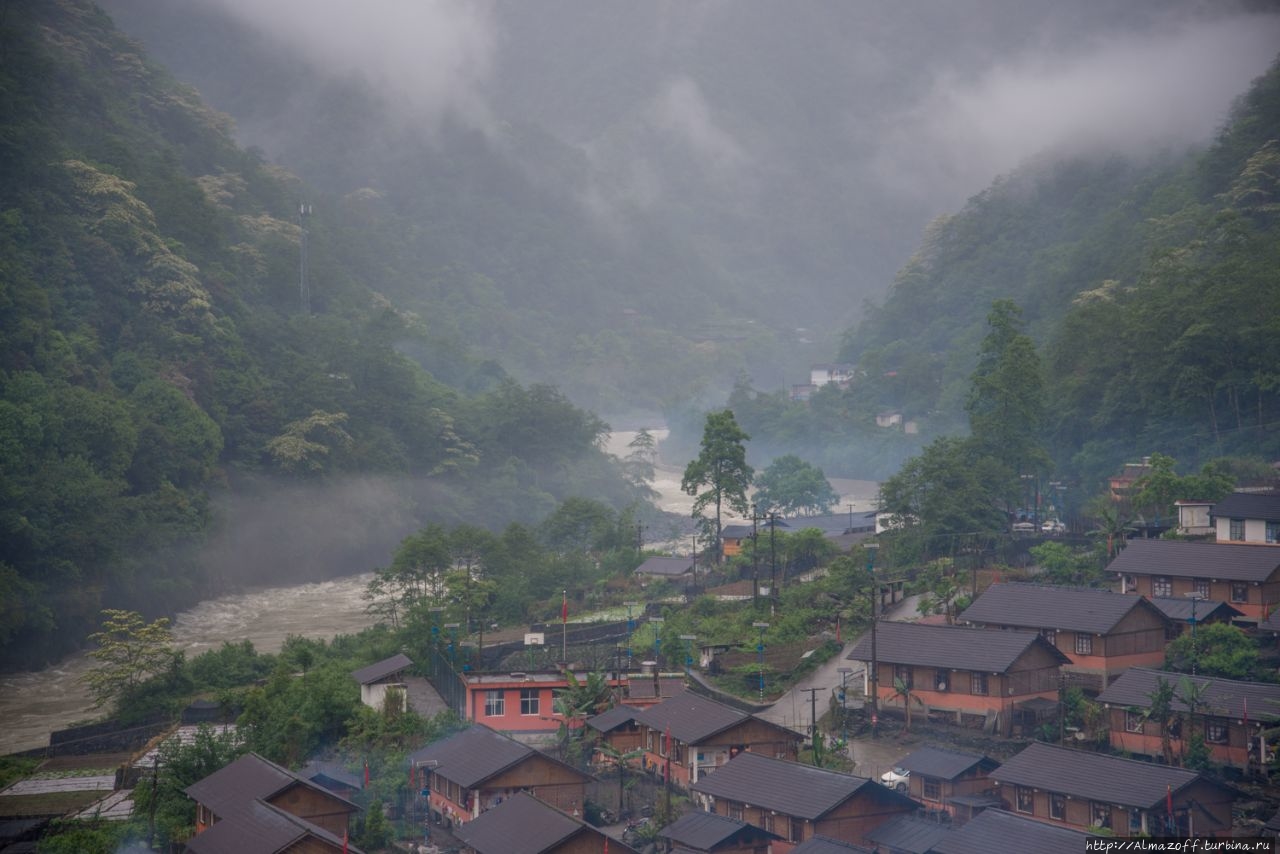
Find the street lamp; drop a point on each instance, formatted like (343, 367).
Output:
(453, 641)
(760, 650)
(871, 549)
(688, 654)
(657, 641)
(844, 702)
(1195, 652)
(631, 627)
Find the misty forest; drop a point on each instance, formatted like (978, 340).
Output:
(292, 291)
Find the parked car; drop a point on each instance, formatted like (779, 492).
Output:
(896, 778)
(1024, 527)
(1053, 526)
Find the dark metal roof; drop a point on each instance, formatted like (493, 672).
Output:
(665, 566)
(943, 764)
(1226, 561)
(787, 787)
(691, 717)
(705, 830)
(317, 770)
(382, 669)
(997, 830)
(644, 689)
(1039, 606)
(234, 788)
(909, 833)
(1248, 505)
(522, 824)
(1126, 782)
(1224, 697)
(1178, 609)
(476, 754)
(954, 647)
(261, 829)
(613, 718)
(827, 845)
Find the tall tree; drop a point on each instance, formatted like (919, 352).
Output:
(129, 650)
(791, 485)
(720, 471)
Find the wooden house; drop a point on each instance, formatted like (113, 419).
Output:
(908, 834)
(617, 726)
(998, 830)
(255, 799)
(701, 832)
(522, 824)
(477, 769)
(1102, 633)
(1127, 797)
(798, 801)
(1246, 576)
(1232, 716)
(692, 735)
(960, 671)
(949, 781)
(1248, 517)
(1186, 610)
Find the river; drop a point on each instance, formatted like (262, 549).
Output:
(32, 704)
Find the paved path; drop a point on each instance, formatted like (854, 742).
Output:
(423, 697)
(794, 710)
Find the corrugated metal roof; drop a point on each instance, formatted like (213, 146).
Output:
(613, 718)
(233, 788)
(997, 830)
(943, 764)
(476, 754)
(522, 824)
(909, 833)
(704, 829)
(1178, 608)
(665, 566)
(691, 717)
(1109, 779)
(953, 647)
(1248, 505)
(1224, 697)
(1040, 606)
(786, 787)
(382, 669)
(1226, 561)
(827, 845)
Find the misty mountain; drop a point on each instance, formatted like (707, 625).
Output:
(637, 201)
(173, 422)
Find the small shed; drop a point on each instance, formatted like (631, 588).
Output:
(383, 676)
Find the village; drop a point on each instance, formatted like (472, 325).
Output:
(1032, 717)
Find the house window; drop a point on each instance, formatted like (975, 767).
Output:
(941, 680)
(1132, 721)
(1237, 530)
(1099, 814)
(1051, 635)
(1026, 800)
(1239, 592)
(797, 830)
(1273, 532)
(769, 822)
(528, 701)
(1161, 586)
(1201, 587)
(1215, 732)
(495, 703)
(1129, 584)
(1084, 644)
(1135, 822)
(1057, 806)
(735, 811)
(978, 683)
(932, 789)
(902, 673)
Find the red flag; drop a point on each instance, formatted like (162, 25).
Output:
(837, 628)
(344, 841)
(564, 608)
(366, 773)
(606, 845)
(1168, 801)
(1246, 718)
(413, 776)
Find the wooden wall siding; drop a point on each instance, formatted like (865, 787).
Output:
(312, 845)
(970, 784)
(1148, 742)
(849, 822)
(319, 809)
(1079, 811)
(1258, 596)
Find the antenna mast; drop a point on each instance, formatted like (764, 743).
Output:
(304, 289)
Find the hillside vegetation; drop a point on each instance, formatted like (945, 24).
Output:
(159, 381)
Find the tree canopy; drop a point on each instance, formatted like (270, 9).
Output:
(720, 470)
(791, 485)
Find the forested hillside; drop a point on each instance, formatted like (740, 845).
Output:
(1152, 289)
(159, 379)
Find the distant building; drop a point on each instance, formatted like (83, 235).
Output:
(1248, 517)
(820, 375)
(1121, 485)
(1246, 576)
(383, 676)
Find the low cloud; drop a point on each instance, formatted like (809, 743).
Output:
(432, 57)
(1161, 90)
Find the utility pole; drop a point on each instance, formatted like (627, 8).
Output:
(875, 617)
(773, 555)
(813, 719)
(304, 288)
(755, 558)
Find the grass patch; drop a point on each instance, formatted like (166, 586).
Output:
(51, 803)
